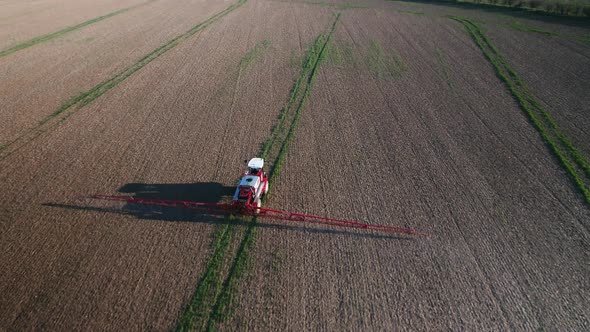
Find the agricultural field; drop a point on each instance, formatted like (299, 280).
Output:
(468, 124)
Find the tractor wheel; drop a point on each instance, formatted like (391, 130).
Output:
(257, 206)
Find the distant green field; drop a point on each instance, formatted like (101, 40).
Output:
(560, 7)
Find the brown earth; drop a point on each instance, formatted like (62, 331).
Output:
(436, 144)
(446, 153)
(557, 70)
(23, 20)
(42, 78)
(553, 60)
(179, 128)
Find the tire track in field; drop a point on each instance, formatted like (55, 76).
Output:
(213, 299)
(85, 98)
(199, 305)
(53, 35)
(315, 57)
(573, 162)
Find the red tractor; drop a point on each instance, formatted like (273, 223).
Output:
(253, 185)
(247, 201)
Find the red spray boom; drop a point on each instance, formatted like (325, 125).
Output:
(260, 212)
(247, 201)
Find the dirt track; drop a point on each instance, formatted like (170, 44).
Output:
(406, 124)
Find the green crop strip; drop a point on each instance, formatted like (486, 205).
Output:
(85, 98)
(296, 95)
(383, 65)
(516, 25)
(574, 163)
(334, 5)
(444, 65)
(583, 39)
(254, 53)
(208, 286)
(411, 12)
(274, 151)
(341, 54)
(552, 7)
(44, 38)
(315, 57)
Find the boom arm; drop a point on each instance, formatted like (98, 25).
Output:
(217, 208)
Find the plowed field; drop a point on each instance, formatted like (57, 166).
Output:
(471, 128)
(25, 20)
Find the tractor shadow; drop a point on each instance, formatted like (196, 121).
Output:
(209, 192)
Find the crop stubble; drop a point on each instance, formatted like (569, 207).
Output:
(458, 161)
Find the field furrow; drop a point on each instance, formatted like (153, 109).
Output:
(213, 300)
(464, 122)
(23, 21)
(46, 81)
(56, 34)
(570, 157)
(459, 161)
(105, 149)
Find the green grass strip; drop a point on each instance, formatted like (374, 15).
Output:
(208, 304)
(325, 41)
(209, 284)
(44, 38)
(584, 39)
(341, 6)
(528, 97)
(225, 298)
(410, 12)
(517, 25)
(572, 9)
(224, 302)
(254, 53)
(545, 125)
(295, 94)
(85, 98)
(384, 65)
(444, 66)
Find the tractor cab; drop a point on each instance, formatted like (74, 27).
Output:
(252, 186)
(255, 166)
